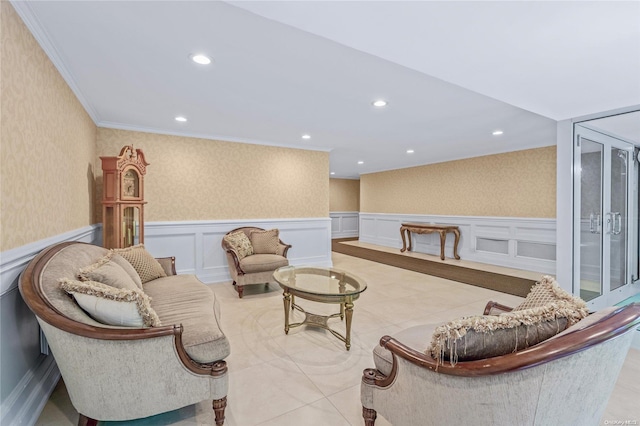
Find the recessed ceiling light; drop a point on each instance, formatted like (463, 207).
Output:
(497, 133)
(379, 103)
(200, 59)
(306, 136)
(410, 151)
(332, 173)
(360, 162)
(181, 119)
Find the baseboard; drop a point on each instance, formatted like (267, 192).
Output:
(25, 403)
(30, 375)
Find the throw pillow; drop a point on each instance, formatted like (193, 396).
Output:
(486, 336)
(124, 264)
(147, 267)
(265, 242)
(547, 291)
(108, 272)
(112, 306)
(239, 243)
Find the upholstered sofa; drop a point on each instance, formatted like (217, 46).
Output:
(566, 379)
(115, 372)
(248, 266)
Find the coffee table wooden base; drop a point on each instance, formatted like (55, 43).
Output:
(321, 321)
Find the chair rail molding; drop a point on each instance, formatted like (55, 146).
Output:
(196, 244)
(512, 242)
(28, 376)
(344, 224)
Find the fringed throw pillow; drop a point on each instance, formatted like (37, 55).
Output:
(108, 272)
(547, 291)
(485, 336)
(112, 306)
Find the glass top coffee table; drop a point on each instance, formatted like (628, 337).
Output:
(320, 285)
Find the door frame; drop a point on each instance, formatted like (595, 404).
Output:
(609, 142)
(564, 195)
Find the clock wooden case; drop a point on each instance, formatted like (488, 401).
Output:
(123, 198)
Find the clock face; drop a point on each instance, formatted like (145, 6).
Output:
(130, 184)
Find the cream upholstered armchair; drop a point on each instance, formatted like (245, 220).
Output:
(566, 379)
(253, 254)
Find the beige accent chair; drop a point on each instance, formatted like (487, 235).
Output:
(255, 268)
(565, 380)
(123, 373)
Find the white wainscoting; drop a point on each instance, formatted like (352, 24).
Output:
(513, 242)
(196, 245)
(344, 224)
(28, 377)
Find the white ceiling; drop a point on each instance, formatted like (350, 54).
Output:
(452, 72)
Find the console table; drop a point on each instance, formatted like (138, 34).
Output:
(422, 228)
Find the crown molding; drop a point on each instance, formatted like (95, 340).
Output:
(221, 138)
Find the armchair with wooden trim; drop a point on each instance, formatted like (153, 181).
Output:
(566, 379)
(256, 267)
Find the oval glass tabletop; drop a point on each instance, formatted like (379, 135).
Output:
(319, 281)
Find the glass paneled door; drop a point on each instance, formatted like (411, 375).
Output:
(601, 218)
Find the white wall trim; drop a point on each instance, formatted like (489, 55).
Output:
(25, 402)
(14, 261)
(344, 224)
(384, 229)
(196, 244)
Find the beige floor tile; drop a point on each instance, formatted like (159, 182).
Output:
(319, 413)
(348, 404)
(268, 390)
(308, 377)
(333, 371)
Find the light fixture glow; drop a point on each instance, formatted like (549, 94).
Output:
(360, 162)
(497, 133)
(201, 59)
(379, 103)
(306, 136)
(332, 173)
(410, 151)
(181, 119)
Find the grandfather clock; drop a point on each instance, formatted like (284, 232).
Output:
(123, 198)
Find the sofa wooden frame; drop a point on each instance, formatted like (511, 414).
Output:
(37, 302)
(613, 325)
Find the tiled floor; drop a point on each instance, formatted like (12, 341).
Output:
(307, 377)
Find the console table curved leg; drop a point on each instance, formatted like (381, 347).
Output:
(455, 244)
(443, 239)
(404, 241)
(409, 238)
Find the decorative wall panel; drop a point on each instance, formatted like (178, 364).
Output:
(344, 224)
(513, 242)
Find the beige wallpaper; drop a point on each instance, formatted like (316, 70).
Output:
(199, 179)
(344, 195)
(516, 184)
(47, 144)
